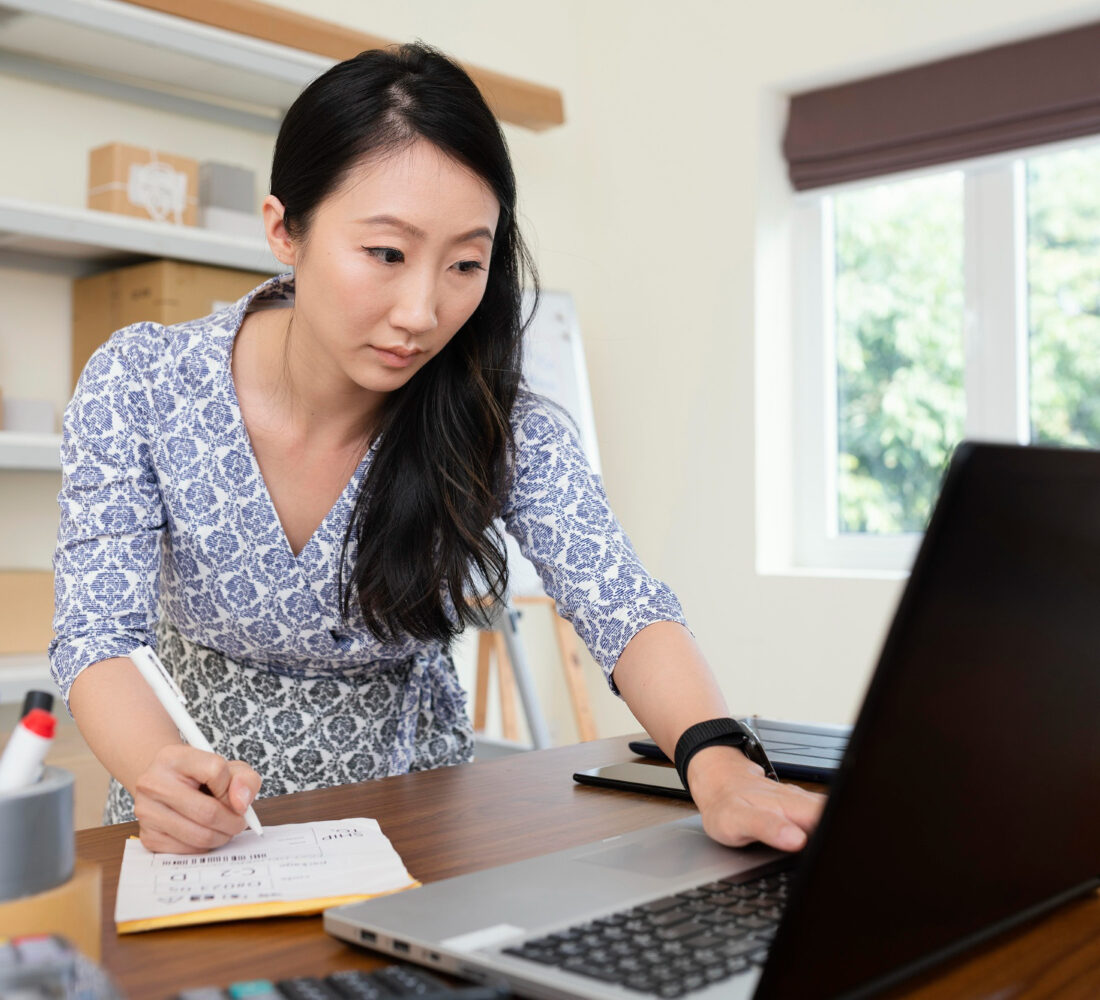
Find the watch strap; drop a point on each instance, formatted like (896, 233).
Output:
(719, 732)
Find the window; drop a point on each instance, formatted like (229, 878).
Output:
(932, 306)
(1063, 296)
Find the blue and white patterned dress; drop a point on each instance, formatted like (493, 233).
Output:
(169, 537)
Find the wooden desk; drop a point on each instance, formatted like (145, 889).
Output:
(462, 819)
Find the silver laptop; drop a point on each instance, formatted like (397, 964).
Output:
(985, 698)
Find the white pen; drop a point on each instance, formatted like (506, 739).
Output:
(171, 697)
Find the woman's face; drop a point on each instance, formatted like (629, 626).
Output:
(394, 263)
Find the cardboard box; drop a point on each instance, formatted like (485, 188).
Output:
(143, 183)
(162, 291)
(26, 610)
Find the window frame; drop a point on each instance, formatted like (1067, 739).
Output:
(995, 346)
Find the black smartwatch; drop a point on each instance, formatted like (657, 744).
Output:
(720, 733)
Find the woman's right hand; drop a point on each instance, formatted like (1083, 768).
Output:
(188, 801)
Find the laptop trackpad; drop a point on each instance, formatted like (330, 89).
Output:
(673, 853)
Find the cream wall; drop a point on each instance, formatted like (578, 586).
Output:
(661, 205)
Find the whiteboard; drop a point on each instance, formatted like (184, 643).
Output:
(554, 367)
(553, 364)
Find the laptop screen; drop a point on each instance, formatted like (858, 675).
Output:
(967, 797)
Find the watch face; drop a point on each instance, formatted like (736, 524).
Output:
(753, 749)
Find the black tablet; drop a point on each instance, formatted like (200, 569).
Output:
(804, 751)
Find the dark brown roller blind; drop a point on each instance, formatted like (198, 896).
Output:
(1041, 90)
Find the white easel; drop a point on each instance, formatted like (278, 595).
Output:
(554, 367)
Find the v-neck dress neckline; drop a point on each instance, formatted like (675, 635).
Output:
(314, 570)
(307, 556)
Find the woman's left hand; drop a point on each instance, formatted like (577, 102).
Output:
(740, 805)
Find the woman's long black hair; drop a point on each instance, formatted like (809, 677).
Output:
(423, 520)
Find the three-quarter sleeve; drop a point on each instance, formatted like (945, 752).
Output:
(559, 514)
(107, 561)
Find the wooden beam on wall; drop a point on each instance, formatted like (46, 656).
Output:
(513, 100)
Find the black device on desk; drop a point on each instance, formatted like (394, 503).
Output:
(48, 967)
(632, 777)
(394, 982)
(801, 751)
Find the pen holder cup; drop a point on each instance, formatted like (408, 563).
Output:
(36, 829)
(42, 889)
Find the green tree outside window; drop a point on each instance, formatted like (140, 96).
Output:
(1063, 262)
(899, 345)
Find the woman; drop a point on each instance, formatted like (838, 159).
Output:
(294, 498)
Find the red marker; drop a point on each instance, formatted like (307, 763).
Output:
(21, 764)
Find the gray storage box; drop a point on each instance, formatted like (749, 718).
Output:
(221, 185)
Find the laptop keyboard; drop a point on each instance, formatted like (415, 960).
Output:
(674, 945)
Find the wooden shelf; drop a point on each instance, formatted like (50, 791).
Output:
(79, 241)
(520, 102)
(236, 61)
(122, 51)
(32, 452)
